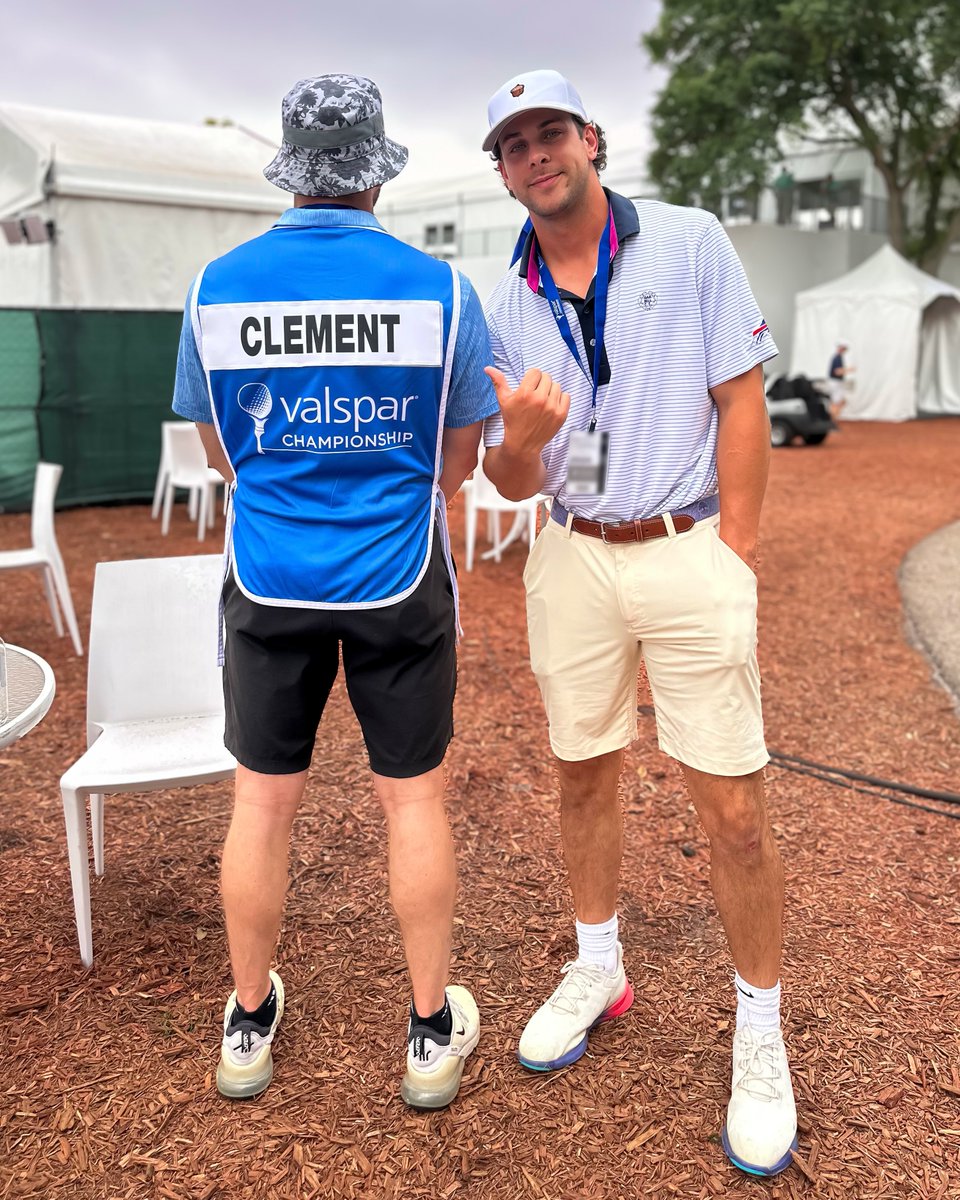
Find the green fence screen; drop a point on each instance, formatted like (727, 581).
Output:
(19, 401)
(86, 389)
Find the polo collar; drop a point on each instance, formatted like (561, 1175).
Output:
(626, 224)
(328, 214)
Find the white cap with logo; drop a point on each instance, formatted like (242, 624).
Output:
(535, 89)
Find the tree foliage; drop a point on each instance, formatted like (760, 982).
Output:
(746, 76)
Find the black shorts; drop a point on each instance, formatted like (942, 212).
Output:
(400, 667)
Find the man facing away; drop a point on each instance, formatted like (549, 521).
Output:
(338, 375)
(641, 312)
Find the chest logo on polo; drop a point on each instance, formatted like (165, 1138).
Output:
(648, 301)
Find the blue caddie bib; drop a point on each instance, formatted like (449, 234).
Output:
(327, 351)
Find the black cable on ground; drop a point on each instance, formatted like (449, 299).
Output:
(827, 774)
(926, 793)
(866, 791)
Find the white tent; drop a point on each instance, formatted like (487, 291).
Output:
(903, 330)
(134, 207)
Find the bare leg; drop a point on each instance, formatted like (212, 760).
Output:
(253, 875)
(423, 879)
(745, 869)
(591, 824)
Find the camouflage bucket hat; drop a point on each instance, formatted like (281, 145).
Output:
(333, 139)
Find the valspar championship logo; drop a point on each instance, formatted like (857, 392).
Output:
(330, 423)
(316, 339)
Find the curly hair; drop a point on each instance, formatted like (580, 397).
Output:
(598, 163)
(601, 160)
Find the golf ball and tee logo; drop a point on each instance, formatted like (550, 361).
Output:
(255, 399)
(329, 423)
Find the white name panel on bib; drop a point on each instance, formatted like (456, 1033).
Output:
(587, 463)
(332, 333)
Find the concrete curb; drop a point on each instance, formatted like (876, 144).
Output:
(929, 580)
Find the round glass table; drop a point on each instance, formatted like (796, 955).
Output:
(27, 687)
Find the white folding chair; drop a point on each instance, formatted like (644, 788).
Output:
(183, 464)
(154, 699)
(45, 553)
(162, 470)
(481, 494)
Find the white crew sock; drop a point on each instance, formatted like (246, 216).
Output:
(757, 1007)
(597, 944)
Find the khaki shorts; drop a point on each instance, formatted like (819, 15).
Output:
(688, 604)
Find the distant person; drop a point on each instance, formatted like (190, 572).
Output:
(830, 194)
(337, 373)
(784, 189)
(656, 455)
(838, 373)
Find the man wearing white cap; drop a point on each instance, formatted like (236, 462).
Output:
(642, 314)
(337, 374)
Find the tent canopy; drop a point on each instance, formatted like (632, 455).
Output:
(46, 152)
(903, 330)
(134, 208)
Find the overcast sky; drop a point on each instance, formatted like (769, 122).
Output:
(436, 65)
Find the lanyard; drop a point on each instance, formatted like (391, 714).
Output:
(601, 288)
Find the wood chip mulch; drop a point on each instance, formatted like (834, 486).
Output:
(107, 1085)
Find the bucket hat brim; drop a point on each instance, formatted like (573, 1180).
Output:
(337, 172)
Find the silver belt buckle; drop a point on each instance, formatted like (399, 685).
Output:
(619, 525)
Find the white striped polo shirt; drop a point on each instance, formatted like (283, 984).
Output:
(680, 319)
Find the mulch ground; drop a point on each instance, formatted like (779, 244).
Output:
(107, 1086)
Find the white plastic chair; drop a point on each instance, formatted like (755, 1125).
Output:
(45, 553)
(183, 464)
(154, 699)
(481, 494)
(162, 470)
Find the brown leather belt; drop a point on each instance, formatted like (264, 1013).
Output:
(630, 531)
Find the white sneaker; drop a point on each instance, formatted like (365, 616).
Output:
(761, 1128)
(434, 1062)
(556, 1034)
(246, 1060)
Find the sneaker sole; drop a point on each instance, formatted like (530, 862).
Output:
(439, 1088)
(617, 1009)
(244, 1082)
(750, 1168)
(234, 1087)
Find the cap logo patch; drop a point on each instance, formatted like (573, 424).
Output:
(517, 91)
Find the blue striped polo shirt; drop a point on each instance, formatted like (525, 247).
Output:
(681, 319)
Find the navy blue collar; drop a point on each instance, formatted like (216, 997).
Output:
(626, 219)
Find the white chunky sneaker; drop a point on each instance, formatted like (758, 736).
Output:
(556, 1034)
(246, 1060)
(761, 1128)
(434, 1061)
